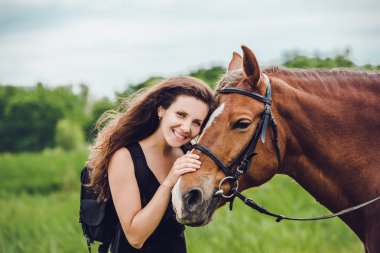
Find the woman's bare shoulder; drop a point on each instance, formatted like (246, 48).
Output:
(121, 160)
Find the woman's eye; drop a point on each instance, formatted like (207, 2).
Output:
(241, 124)
(198, 124)
(181, 114)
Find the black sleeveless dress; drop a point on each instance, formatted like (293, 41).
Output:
(169, 235)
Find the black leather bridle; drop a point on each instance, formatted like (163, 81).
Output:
(248, 153)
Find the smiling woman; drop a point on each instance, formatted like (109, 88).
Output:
(182, 120)
(147, 137)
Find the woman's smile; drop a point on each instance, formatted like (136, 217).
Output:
(180, 136)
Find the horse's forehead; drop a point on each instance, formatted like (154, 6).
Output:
(216, 113)
(211, 121)
(237, 104)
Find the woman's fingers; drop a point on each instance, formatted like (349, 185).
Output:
(192, 155)
(186, 159)
(195, 156)
(186, 170)
(189, 165)
(184, 164)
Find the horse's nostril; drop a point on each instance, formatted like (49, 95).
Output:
(193, 199)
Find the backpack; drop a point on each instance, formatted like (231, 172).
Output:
(98, 219)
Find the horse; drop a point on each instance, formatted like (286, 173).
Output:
(325, 135)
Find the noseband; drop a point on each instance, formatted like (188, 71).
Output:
(248, 151)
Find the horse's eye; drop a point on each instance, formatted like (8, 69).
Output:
(241, 124)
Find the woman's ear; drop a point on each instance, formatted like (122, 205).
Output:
(160, 111)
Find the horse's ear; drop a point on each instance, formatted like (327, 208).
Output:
(251, 67)
(236, 62)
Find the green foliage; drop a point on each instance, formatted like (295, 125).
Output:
(296, 60)
(132, 88)
(97, 109)
(210, 75)
(39, 203)
(69, 135)
(371, 67)
(28, 120)
(28, 116)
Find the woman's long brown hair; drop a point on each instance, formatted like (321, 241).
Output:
(135, 120)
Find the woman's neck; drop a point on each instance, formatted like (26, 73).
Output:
(157, 141)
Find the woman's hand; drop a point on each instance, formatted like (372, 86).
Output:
(184, 164)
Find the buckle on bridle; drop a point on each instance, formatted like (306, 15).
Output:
(240, 171)
(234, 186)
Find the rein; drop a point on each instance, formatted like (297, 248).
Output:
(279, 217)
(248, 153)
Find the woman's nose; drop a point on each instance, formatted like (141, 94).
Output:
(186, 126)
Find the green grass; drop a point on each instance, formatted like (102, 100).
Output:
(245, 230)
(39, 202)
(40, 173)
(39, 199)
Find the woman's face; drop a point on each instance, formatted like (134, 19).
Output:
(182, 120)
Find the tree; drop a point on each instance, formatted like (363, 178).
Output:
(97, 109)
(132, 88)
(28, 116)
(296, 60)
(69, 135)
(28, 123)
(209, 75)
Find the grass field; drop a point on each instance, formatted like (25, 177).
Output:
(39, 199)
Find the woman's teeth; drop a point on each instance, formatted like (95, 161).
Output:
(179, 136)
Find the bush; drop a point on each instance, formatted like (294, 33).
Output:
(28, 115)
(69, 135)
(97, 109)
(27, 122)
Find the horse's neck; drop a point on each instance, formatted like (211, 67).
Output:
(329, 133)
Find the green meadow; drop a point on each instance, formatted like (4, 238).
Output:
(39, 199)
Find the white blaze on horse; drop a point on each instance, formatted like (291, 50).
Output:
(327, 138)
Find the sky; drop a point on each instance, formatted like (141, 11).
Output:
(110, 44)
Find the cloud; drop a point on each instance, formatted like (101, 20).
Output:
(110, 44)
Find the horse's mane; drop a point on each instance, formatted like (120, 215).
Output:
(233, 77)
(318, 73)
(229, 79)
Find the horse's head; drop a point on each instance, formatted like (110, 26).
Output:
(227, 135)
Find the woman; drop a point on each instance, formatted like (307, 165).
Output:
(148, 137)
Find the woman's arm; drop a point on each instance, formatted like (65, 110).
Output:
(139, 223)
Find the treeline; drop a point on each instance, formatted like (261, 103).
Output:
(36, 118)
(32, 119)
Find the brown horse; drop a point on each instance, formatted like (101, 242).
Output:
(328, 131)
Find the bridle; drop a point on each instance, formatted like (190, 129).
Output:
(248, 152)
